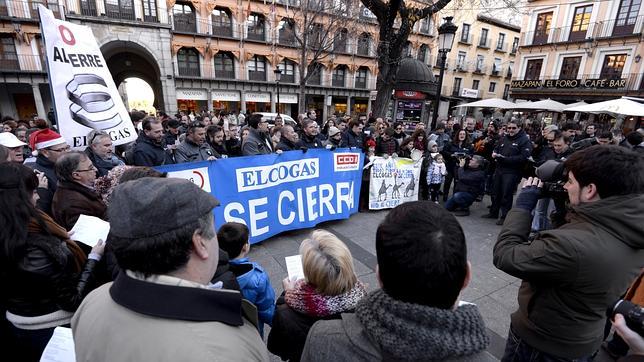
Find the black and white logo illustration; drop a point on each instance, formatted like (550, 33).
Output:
(92, 105)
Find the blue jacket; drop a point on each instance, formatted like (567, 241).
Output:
(256, 288)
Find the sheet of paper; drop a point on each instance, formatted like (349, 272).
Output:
(294, 267)
(60, 347)
(89, 229)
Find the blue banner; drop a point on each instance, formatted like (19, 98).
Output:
(279, 192)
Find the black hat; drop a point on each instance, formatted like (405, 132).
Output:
(150, 206)
(173, 123)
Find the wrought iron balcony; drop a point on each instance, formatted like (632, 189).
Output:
(28, 9)
(205, 27)
(13, 62)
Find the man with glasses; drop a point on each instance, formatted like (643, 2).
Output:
(194, 148)
(399, 133)
(15, 146)
(258, 142)
(50, 146)
(75, 194)
(101, 152)
(510, 155)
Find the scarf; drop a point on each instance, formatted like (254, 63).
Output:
(305, 299)
(417, 332)
(50, 227)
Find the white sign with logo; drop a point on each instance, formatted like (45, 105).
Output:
(469, 93)
(257, 97)
(84, 92)
(198, 176)
(227, 96)
(393, 182)
(286, 98)
(192, 94)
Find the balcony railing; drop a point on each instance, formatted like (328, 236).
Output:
(586, 82)
(21, 62)
(502, 47)
(483, 43)
(28, 9)
(104, 10)
(597, 30)
(361, 84)
(479, 69)
(205, 27)
(467, 39)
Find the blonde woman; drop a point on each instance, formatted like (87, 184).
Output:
(330, 287)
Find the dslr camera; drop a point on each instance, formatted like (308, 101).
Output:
(633, 314)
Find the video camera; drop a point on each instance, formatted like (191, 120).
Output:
(553, 175)
(633, 315)
(461, 155)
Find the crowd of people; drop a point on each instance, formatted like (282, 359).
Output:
(216, 301)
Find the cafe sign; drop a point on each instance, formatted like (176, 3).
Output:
(571, 83)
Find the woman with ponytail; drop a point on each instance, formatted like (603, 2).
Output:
(43, 273)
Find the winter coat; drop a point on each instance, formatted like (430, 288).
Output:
(256, 143)
(436, 173)
(148, 153)
(256, 288)
(310, 142)
(451, 161)
(102, 165)
(470, 180)
(573, 273)
(515, 151)
(352, 140)
(286, 145)
(44, 165)
(189, 151)
(73, 199)
(388, 147)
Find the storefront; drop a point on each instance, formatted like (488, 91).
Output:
(414, 89)
(409, 106)
(317, 102)
(287, 104)
(228, 101)
(192, 100)
(257, 102)
(339, 106)
(359, 106)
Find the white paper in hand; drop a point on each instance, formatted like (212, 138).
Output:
(60, 347)
(294, 267)
(89, 229)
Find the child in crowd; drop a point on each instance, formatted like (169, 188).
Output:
(436, 175)
(253, 280)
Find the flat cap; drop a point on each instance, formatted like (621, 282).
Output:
(150, 206)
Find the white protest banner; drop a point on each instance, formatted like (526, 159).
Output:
(393, 182)
(84, 92)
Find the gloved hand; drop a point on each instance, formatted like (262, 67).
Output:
(529, 196)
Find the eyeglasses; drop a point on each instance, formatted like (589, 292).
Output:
(64, 149)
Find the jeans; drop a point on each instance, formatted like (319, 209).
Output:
(460, 200)
(541, 219)
(30, 343)
(504, 186)
(517, 350)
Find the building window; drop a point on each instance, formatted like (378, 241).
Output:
(288, 71)
(257, 68)
(506, 91)
(8, 54)
(224, 66)
(426, 25)
(496, 68)
(222, 23)
(580, 22)
(361, 78)
(465, 34)
(339, 74)
(492, 88)
(500, 44)
(188, 59)
(119, 9)
(613, 66)
(460, 60)
(510, 68)
(256, 28)
(316, 35)
(533, 69)
(456, 88)
(570, 68)
(475, 84)
(87, 7)
(315, 72)
(364, 42)
(479, 64)
(185, 18)
(149, 11)
(515, 45)
(483, 39)
(422, 53)
(340, 41)
(542, 28)
(627, 17)
(287, 32)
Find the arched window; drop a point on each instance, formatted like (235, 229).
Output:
(287, 32)
(340, 41)
(364, 43)
(288, 71)
(222, 23)
(361, 77)
(339, 75)
(185, 18)
(257, 68)
(224, 65)
(188, 60)
(119, 9)
(256, 28)
(423, 52)
(315, 71)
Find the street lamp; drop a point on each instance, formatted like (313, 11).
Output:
(446, 33)
(278, 76)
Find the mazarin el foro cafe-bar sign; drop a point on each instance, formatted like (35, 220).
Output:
(570, 83)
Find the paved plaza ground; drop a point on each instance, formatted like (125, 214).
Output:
(494, 291)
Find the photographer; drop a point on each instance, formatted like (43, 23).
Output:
(572, 274)
(470, 183)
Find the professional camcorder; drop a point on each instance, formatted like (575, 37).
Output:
(633, 315)
(462, 155)
(553, 175)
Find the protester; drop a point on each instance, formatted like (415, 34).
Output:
(566, 288)
(459, 148)
(49, 146)
(75, 194)
(471, 130)
(386, 144)
(161, 307)
(440, 136)
(469, 185)
(335, 137)
(5, 154)
(217, 142)
(416, 315)
(14, 146)
(590, 132)
(172, 133)
(288, 141)
(149, 149)
(194, 148)
(419, 139)
(254, 283)
(510, 156)
(399, 133)
(258, 141)
(101, 153)
(635, 141)
(44, 274)
(353, 136)
(436, 175)
(310, 135)
(330, 287)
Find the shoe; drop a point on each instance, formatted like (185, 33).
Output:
(500, 221)
(490, 216)
(462, 212)
(436, 202)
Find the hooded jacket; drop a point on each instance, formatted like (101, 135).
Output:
(515, 151)
(573, 273)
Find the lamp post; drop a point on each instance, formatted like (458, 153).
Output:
(446, 33)
(278, 76)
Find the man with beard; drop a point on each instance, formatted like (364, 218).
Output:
(194, 147)
(100, 151)
(149, 149)
(310, 135)
(216, 140)
(257, 142)
(289, 139)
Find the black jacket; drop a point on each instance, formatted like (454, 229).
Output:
(450, 149)
(103, 166)
(286, 145)
(148, 153)
(350, 139)
(45, 166)
(386, 147)
(310, 142)
(470, 180)
(515, 151)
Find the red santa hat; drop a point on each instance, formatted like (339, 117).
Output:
(44, 138)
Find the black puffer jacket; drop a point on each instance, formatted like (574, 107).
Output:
(515, 151)
(470, 180)
(148, 153)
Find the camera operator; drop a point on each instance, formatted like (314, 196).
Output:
(571, 275)
(470, 183)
